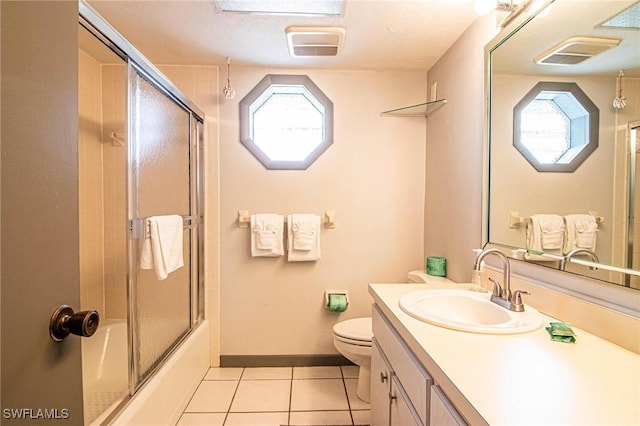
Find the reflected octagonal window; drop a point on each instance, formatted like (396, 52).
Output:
(286, 122)
(555, 127)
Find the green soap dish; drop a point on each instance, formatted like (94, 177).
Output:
(561, 332)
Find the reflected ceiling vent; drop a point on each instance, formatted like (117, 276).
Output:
(575, 50)
(315, 41)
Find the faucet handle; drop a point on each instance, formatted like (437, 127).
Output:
(497, 289)
(517, 296)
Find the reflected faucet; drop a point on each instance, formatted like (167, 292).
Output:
(577, 251)
(502, 294)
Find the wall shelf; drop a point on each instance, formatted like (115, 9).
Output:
(419, 110)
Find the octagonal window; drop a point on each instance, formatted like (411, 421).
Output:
(555, 127)
(286, 122)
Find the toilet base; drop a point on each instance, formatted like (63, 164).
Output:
(364, 384)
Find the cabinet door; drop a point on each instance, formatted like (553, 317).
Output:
(442, 411)
(380, 387)
(402, 412)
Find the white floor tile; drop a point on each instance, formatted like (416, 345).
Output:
(201, 419)
(212, 397)
(354, 402)
(318, 394)
(361, 417)
(224, 374)
(316, 373)
(350, 371)
(257, 419)
(258, 373)
(261, 396)
(320, 418)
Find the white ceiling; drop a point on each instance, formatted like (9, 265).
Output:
(380, 34)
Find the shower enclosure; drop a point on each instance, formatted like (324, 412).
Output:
(140, 143)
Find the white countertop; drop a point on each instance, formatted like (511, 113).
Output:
(522, 378)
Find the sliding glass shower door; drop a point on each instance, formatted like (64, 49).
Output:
(162, 182)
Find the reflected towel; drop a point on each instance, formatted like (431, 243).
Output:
(581, 232)
(303, 241)
(162, 251)
(267, 232)
(545, 233)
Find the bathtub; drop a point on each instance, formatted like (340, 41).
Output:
(105, 371)
(163, 398)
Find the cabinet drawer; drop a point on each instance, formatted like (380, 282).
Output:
(415, 380)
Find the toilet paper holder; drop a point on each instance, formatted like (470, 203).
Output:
(340, 292)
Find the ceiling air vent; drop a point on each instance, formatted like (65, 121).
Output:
(315, 41)
(575, 50)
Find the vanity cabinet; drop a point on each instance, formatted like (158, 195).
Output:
(402, 391)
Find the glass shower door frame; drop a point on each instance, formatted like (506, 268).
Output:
(193, 220)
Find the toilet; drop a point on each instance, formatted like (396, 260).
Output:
(352, 338)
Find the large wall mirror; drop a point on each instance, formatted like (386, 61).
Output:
(586, 45)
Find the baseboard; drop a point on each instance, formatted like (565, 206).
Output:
(282, 360)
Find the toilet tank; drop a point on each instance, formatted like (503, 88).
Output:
(424, 278)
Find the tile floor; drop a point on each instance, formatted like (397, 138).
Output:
(277, 396)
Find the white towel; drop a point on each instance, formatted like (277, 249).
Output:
(581, 231)
(162, 251)
(545, 233)
(267, 232)
(303, 241)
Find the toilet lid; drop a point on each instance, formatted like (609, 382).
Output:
(355, 329)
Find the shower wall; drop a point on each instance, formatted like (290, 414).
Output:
(102, 187)
(90, 200)
(114, 157)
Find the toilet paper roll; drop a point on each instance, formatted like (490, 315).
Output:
(337, 302)
(437, 266)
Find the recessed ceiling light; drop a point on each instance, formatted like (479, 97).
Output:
(282, 7)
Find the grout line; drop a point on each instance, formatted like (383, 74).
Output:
(233, 397)
(290, 398)
(346, 392)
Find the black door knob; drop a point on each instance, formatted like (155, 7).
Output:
(64, 322)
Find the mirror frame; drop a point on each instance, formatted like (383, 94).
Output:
(603, 293)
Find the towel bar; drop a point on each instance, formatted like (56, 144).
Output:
(139, 227)
(244, 219)
(515, 220)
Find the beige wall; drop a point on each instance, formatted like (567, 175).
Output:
(454, 173)
(372, 176)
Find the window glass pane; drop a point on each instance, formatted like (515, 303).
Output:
(545, 131)
(287, 127)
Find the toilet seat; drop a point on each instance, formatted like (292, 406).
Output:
(356, 331)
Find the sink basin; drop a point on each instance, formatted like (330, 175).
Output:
(469, 311)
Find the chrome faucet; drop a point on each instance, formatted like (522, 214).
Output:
(576, 251)
(501, 295)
